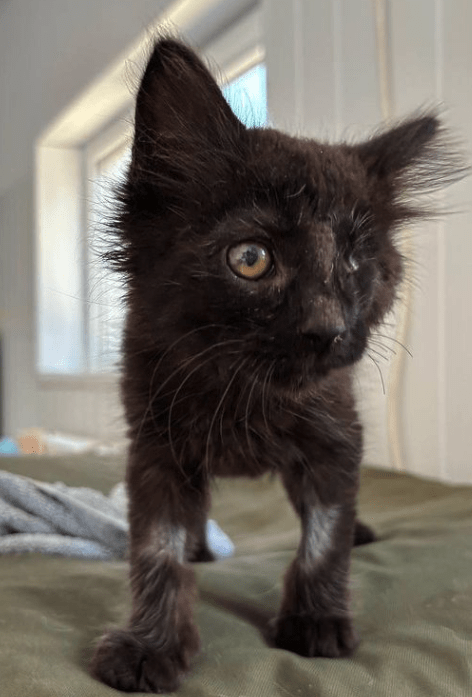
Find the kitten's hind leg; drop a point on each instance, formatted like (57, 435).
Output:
(363, 534)
(314, 618)
(153, 653)
(198, 549)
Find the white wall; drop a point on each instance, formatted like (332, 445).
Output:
(342, 69)
(436, 63)
(324, 79)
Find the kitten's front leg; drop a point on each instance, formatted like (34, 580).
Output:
(153, 653)
(314, 618)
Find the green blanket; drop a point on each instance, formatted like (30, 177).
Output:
(411, 597)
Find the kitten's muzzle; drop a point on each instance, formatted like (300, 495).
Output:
(323, 340)
(323, 324)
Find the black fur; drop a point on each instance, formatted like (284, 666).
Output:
(226, 373)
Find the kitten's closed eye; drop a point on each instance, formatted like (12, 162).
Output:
(351, 264)
(250, 260)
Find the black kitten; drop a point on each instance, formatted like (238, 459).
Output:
(257, 266)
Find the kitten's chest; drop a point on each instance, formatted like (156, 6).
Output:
(241, 442)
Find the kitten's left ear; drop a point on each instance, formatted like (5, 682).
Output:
(187, 140)
(179, 104)
(413, 157)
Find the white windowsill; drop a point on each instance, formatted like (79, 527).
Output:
(84, 381)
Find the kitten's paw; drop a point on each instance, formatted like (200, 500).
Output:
(363, 535)
(127, 662)
(332, 637)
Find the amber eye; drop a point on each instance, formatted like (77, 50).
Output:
(249, 260)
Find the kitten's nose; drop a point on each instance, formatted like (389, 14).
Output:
(323, 322)
(322, 340)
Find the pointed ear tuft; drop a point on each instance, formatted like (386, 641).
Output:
(394, 150)
(414, 157)
(179, 99)
(186, 136)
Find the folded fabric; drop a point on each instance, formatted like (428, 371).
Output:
(71, 521)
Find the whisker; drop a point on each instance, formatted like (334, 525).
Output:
(228, 387)
(381, 345)
(246, 416)
(187, 362)
(268, 375)
(297, 193)
(378, 353)
(380, 372)
(182, 383)
(391, 338)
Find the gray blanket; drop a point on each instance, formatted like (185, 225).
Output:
(57, 519)
(71, 521)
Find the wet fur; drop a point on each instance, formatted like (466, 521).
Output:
(228, 376)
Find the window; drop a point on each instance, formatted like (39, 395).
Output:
(247, 96)
(104, 308)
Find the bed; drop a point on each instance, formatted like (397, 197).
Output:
(411, 596)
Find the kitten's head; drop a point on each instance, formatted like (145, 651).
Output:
(278, 248)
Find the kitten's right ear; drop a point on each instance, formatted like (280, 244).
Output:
(414, 157)
(180, 107)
